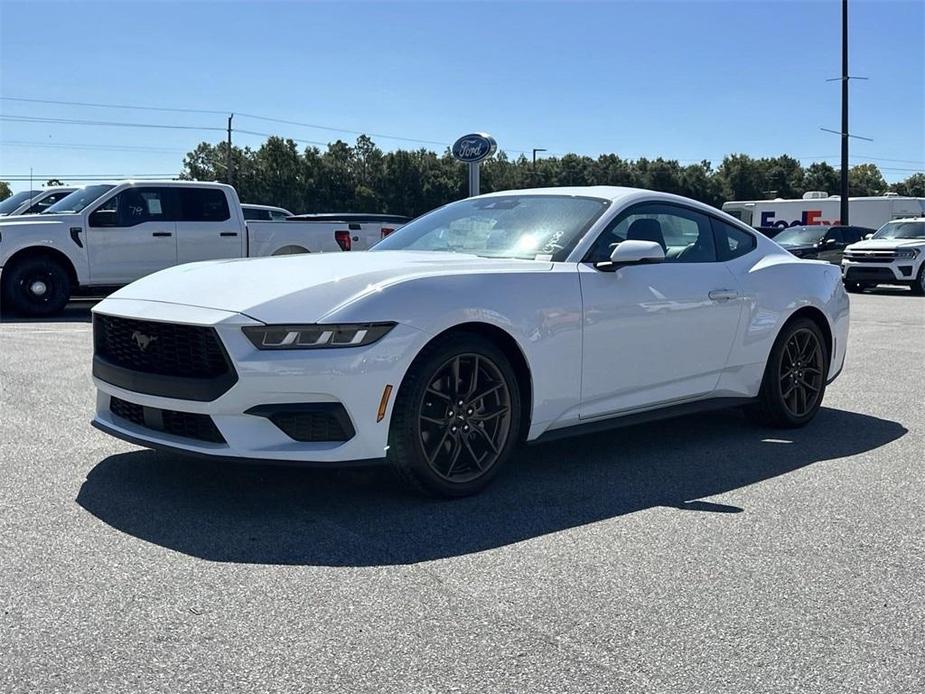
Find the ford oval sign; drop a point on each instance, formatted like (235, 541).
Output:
(474, 147)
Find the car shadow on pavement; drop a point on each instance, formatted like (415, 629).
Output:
(74, 312)
(273, 515)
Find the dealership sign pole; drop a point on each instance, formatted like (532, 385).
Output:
(473, 149)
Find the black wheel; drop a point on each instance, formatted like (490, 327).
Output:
(918, 287)
(456, 418)
(37, 286)
(794, 378)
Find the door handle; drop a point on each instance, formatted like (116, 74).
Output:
(161, 233)
(723, 294)
(228, 233)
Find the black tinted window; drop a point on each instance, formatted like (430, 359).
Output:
(45, 203)
(202, 205)
(835, 234)
(732, 241)
(260, 215)
(683, 234)
(132, 206)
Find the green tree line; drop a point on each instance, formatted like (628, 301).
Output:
(363, 178)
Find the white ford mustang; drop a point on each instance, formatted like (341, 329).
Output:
(521, 315)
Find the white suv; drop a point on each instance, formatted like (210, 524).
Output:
(894, 255)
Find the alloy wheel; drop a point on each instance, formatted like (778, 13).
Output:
(801, 372)
(464, 418)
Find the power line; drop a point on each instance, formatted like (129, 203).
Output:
(224, 113)
(108, 177)
(69, 145)
(71, 121)
(125, 106)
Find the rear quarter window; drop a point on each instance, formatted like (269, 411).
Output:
(731, 241)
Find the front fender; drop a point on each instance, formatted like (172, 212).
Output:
(56, 237)
(541, 311)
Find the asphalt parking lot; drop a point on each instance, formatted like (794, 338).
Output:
(697, 555)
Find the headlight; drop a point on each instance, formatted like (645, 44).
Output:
(907, 253)
(315, 336)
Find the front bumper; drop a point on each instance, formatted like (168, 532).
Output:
(886, 272)
(353, 378)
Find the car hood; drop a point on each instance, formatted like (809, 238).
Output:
(304, 288)
(41, 221)
(801, 248)
(885, 244)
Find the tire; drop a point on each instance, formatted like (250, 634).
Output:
(798, 363)
(37, 286)
(918, 287)
(473, 441)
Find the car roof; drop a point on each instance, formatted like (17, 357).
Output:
(253, 206)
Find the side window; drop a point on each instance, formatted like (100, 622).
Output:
(257, 215)
(685, 235)
(131, 207)
(45, 203)
(277, 215)
(731, 241)
(202, 205)
(837, 235)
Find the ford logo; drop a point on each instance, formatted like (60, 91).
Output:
(473, 148)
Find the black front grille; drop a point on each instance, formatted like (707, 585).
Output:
(189, 425)
(166, 349)
(886, 257)
(184, 362)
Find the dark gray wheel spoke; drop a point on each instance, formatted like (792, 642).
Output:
(488, 416)
(481, 432)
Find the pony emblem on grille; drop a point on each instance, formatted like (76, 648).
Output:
(143, 341)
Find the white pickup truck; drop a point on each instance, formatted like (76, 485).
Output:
(107, 235)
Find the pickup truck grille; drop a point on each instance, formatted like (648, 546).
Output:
(186, 362)
(885, 256)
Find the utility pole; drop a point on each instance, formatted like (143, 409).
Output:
(229, 173)
(843, 132)
(535, 150)
(843, 218)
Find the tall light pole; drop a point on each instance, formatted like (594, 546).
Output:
(229, 175)
(843, 214)
(843, 217)
(535, 150)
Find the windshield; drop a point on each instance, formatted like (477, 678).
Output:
(901, 230)
(799, 236)
(542, 227)
(78, 200)
(14, 201)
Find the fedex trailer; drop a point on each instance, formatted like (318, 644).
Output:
(817, 207)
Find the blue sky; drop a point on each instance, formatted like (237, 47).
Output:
(685, 80)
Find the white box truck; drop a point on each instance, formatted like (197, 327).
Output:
(817, 207)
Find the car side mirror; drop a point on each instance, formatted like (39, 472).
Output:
(633, 253)
(831, 242)
(868, 236)
(104, 218)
